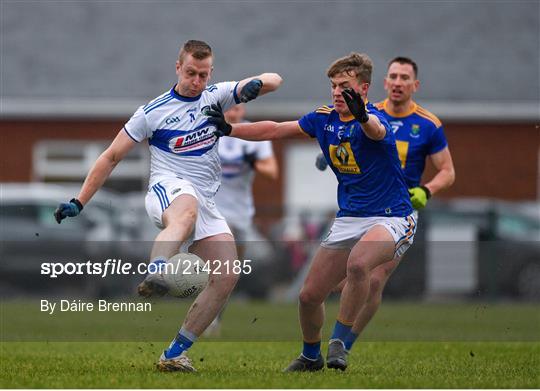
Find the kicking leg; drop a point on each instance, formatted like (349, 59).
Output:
(179, 220)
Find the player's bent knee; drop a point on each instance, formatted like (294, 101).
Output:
(189, 216)
(184, 220)
(357, 270)
(310, 297)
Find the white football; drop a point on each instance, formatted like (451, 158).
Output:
(185, 275)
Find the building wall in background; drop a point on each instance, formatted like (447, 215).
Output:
(492, 159)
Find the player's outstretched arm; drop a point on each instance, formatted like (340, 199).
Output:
(97, 176)
(254, 131)
(254, 86)
(266, 130)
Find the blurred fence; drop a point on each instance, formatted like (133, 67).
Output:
(463, 248)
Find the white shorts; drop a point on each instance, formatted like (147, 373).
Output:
(346, 231)
(209, 221)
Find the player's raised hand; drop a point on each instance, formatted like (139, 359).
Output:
(251, 90)
(320, 162)
(419, 196)
(68, 209)
(216, 118)
(356, 105)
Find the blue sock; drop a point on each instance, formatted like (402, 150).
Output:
(181, 343)
(156, 265)
(340, 331)
(349, 340)
(311, 350)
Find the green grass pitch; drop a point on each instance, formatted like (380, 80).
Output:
(406, 346)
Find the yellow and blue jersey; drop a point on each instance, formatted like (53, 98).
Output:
(419, 134)
(370, 179)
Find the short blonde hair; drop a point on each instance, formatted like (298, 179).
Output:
(355, 64)
(198, 49)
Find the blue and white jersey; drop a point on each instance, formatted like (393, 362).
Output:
(181, 140)
(235, 197)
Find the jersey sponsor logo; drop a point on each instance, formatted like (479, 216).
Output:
(198, 139)
(343, 158)
(342, 155)
(176, 191)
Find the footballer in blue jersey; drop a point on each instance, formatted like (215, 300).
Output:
(419, 135)
(375, 222)
(370, 179)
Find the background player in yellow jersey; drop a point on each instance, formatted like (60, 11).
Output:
(419, 135)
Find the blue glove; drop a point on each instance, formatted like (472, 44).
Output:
(320, 162)
(69, 209)
(251, 90)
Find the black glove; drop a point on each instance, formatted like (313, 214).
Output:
(320, 162)
(356, 105)
(251, 90)
(250, 158)
(216, 118)
(68, 209)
